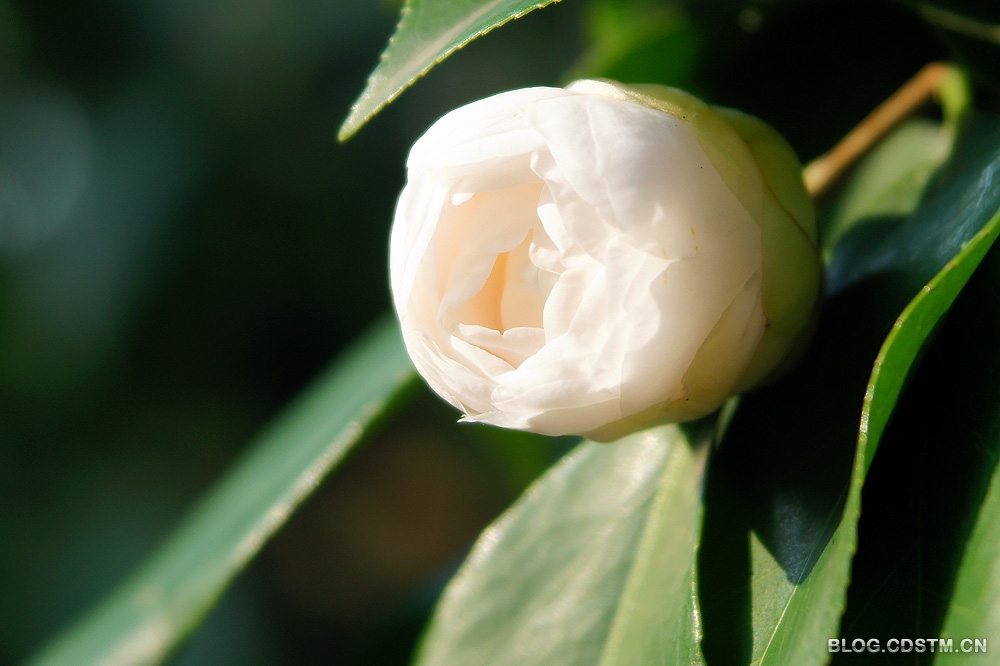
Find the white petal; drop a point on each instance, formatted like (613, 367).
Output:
(559, 259)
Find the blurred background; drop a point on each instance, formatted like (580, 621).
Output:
(184, 245)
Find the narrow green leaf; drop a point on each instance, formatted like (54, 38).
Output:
(910, 332)
(974, 612)
(974, 609)
(933, 465)
(150, 613)
(593, 565)
(784, 484)
(428, 32)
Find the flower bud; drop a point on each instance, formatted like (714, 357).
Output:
(598, 259)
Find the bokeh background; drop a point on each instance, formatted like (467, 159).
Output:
(184, 245)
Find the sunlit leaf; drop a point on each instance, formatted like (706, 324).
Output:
(593, 565)
(428, 32)
(150, 613)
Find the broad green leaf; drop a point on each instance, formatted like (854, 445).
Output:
(145, 618)
(783, 496)
(656, 620)
(593, 565)
(428, 32)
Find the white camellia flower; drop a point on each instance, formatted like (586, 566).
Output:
(601, 258)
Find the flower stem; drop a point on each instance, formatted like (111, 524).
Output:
(823, 171)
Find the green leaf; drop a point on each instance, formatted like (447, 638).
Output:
(593, 565)
(145, 618)
(891, 182)
(975, 597)
(973, 610)
(783, 496)
(428, 32)
(929, 476)
(638, 42)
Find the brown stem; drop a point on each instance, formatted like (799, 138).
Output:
(823, 171)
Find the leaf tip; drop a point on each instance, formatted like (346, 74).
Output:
(351, 124)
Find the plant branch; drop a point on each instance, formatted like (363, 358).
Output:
(823, 171)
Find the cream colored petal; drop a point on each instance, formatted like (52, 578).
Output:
(478, 124)
(474, 233)
(513, 346)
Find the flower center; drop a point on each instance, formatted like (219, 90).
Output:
(511, 297)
